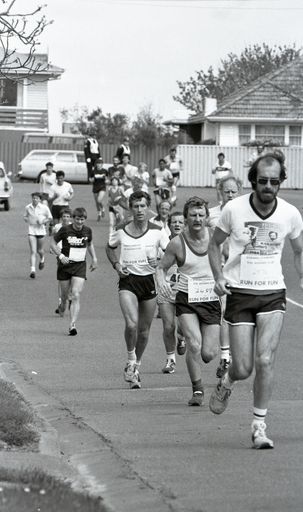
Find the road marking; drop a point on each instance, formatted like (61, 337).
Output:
(294, 303)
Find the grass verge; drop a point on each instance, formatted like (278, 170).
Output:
(22, 491)
(17, 419)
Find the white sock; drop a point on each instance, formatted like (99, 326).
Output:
(225, 353)
(171, 356)
(32, 269)
(131, 356)
(259, 416)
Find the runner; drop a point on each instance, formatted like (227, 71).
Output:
(65, 220)
(115, 212)
(99, 179)
(60, 195)
(229, 188)
(138, 242)
(37, 215)
(162, 219)
(46, 179)
(197, 307)
(76, 240)
(257, 225)
(162, 180)
(167, 305)
(221, 170)
(175, 165)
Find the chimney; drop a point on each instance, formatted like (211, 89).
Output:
(210, 105)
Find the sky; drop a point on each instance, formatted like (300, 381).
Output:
(122, 55)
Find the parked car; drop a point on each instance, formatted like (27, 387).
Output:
(6, 188)
(71, 162)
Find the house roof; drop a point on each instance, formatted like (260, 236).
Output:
(40, 62)
(276, 95)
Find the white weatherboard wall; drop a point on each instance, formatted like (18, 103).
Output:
(37, 95)
(228, 134)
(199, 160)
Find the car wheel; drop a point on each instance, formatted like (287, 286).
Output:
(6, 205)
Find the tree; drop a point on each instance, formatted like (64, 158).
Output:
(19, 39)
(234, 72)
(149, 130)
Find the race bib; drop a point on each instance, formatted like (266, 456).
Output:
(261, 271)
(201, 289)
(77, 253)
(134, 256)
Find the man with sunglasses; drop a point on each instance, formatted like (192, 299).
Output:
(254, 284)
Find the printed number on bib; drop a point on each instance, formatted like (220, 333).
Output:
(201, 289)
(77, 253)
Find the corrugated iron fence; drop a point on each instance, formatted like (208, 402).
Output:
(12, 152)
(198, 161)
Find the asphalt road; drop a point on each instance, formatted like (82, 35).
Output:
(146, 448)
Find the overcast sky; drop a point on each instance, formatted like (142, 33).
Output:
(123, 54)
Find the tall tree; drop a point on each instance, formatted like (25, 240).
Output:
(234, 72)
(20, 29)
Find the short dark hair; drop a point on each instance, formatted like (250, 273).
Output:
(268, 158)
(36, 194)
(221, 154)
(60, 173)
(176, 213)
(136, 196)
(49, 163)
(66, 210)
(195, 202)
(80, 212)
(162, 160)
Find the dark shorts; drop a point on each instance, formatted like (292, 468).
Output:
(141, 286)
(243, 308)
(176, 174)
(44, 196)
(164, 193)
(99, 188)
(56, 210)
(207, 312)
(66, 272)
(38, 236)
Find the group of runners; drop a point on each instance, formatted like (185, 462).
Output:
(199, 266)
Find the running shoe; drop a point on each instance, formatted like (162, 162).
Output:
(222, 368)
(181, 346)
(259, 438)
(169, 367)
(219, 399)
(32, 275)
(57, 311)
(136, 381)
(41, 265)
(73, 331)
(197, 399)
(129, 371)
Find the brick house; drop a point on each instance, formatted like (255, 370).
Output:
(271, 107)
(23, 98)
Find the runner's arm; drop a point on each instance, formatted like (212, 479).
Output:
(169, 258)
(297, 247)
(91, 251)
(215, 260)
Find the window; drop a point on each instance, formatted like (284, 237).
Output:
(244, 133)
(37, 155)
(8, 93)
(65, 157)
(295, 135)
(270, 132)
(80, 157)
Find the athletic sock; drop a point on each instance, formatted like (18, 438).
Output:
(171, 356)
(226, 381)
(259, 416)
(197, 386)
(32, 269)
(224, 353)
(131, 356)
(42, 259)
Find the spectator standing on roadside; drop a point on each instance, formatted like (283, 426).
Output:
(220, 170)
(37, 215)
(91, 152)
(123, 149)
(60, 195)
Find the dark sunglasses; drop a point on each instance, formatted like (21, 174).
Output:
(273, 181)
